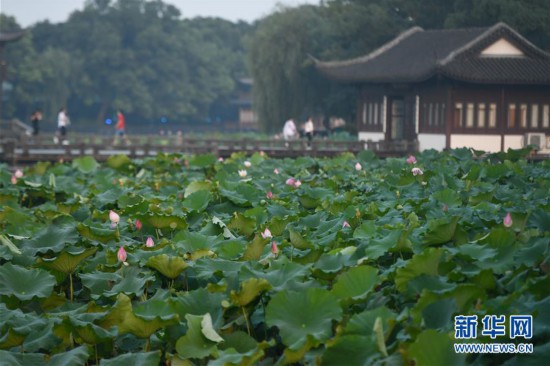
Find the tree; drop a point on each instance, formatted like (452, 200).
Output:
(286, 83)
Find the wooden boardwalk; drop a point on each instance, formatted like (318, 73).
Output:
(29, 150)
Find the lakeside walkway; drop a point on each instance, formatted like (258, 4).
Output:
(42, 148)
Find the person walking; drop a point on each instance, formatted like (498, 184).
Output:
(120, 128)
(63, 122)
(36, 117)
(308, 130)
(289, 130)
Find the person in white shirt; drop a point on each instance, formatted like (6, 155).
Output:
(308, 130)
(289, 130)
(63, 122)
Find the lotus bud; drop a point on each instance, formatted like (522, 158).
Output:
(290, 181)
(297, 183)
(507, 221)
(345, 224)
(149, 243)
(122, 255)
(139, 225)
(269, 195)
(274, 248)
(13, 179)
(358, 167)
(18, 174)
(113, 216)
(247, 164)
(242, 173)
(276, 171)
(411, 159)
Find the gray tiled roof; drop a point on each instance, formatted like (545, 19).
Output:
(11, 36)
(417, 55)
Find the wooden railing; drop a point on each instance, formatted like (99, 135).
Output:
(42, 148)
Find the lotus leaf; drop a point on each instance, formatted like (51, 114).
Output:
(356, 283)
(86, 164)
(25, 284)
(352, 350)
(134, 359)
(118, 161)
(67, 261)
(9, 244)
(164, 221)
(299, 315)
(425, 263)
(200, 302)
(197, 186)
(74, 357)
(434, 348)
(169, 266)
(122, 316)
(103, 235)
(194, 344)
(197, 201)
(208, 330)
(250, 289)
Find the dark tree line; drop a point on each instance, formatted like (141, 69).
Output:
(137, 55)
(143, 57)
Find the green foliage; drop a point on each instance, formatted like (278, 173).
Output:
(212, 290)
(139, 55)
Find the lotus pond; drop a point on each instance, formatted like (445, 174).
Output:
(189, 260)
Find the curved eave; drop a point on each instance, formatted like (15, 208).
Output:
(6, 37)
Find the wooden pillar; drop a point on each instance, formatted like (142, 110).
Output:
(449, 116)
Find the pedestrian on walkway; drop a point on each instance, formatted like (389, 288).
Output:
(63, 122)
(120, 128)
(308, 130)
(36, 117)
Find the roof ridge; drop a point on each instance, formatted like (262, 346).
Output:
(374, 53)
(489, 31)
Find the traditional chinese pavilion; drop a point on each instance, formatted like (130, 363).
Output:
(485, 88)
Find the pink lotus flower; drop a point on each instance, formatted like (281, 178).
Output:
(139, 225)
(345, 224)
(417, 171)
(149, 243)
(358, 167)
(269, 195)
(297, 183)
(220, 159)
(290, 181)
(13, 179)
(122, 255)
(274, 248)
(247, 164)
(276, 171)
(113, 216)
(266, 234)
(18, 174)
(507, 221)
(242, 173)
(411, 159)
